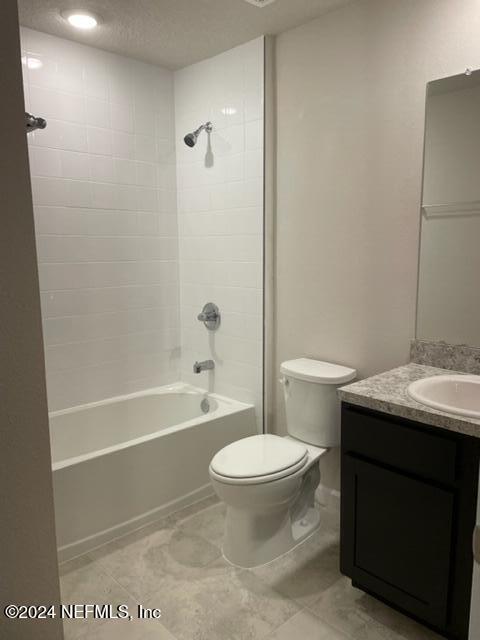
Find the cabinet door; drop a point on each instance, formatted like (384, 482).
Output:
(475, 608)
(397, 537)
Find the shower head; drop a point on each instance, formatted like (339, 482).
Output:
(34, 123)
(191, 138)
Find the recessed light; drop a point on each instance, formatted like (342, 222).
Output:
(32, 63)
(260, 3)
(229, 111)
(84, 20)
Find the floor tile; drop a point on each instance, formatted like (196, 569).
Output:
(362, 617)
(306, 626)
(233, 605)
(307, 571)
(176, 565)
(142, 562)
(209, 523)
(330, 518)
(345, 608)
(134, 630)
(83, 581)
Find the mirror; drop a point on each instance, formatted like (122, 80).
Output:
(448, 304)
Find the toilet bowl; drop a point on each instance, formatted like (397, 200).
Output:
(268, 482)
(268, 512)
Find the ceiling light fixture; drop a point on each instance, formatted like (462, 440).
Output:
(260, 3)
(84, 20)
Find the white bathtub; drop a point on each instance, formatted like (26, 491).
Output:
(121, 463)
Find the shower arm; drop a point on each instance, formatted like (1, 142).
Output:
(207, 127)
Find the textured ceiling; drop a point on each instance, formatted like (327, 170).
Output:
(172, 33)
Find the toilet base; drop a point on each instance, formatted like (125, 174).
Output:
(304, 527)
(255, 539)
(265, 520)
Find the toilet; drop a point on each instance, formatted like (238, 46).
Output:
(268, 482)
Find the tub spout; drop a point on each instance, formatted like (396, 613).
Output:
(198, 367)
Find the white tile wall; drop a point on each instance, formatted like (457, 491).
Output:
(220, 214)
(104, 188)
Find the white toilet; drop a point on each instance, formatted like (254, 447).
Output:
(268, 482)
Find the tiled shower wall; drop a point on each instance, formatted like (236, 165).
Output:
(104, 190)
(220, 213)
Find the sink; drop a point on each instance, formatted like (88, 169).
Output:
(458, 394)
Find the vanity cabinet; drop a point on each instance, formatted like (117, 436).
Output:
(408, 513)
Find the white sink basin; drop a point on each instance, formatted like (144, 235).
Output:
(459, 394)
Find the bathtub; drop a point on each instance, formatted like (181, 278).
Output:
(121, 463)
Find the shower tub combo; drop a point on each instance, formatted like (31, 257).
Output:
(122, 463)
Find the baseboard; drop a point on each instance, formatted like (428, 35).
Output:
(78, 548)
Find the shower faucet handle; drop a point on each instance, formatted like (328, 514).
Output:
(210, 316)
(207, 315)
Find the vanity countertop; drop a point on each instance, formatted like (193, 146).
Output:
(387, 392)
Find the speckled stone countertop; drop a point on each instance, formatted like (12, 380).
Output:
(387, 392)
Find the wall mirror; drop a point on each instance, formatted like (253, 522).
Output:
(448, 304)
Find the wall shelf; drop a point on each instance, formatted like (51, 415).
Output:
(452, 209)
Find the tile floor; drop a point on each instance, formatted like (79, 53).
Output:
(176, 565)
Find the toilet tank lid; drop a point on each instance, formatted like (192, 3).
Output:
(317, 371)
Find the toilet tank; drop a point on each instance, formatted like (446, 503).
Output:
(311, 401)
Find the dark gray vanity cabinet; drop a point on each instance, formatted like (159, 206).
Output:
(408, 514)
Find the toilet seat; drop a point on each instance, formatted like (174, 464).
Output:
(258, 459)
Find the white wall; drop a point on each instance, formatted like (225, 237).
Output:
(220, 211)
(103, 176)
(28, 559)
(351, 108)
